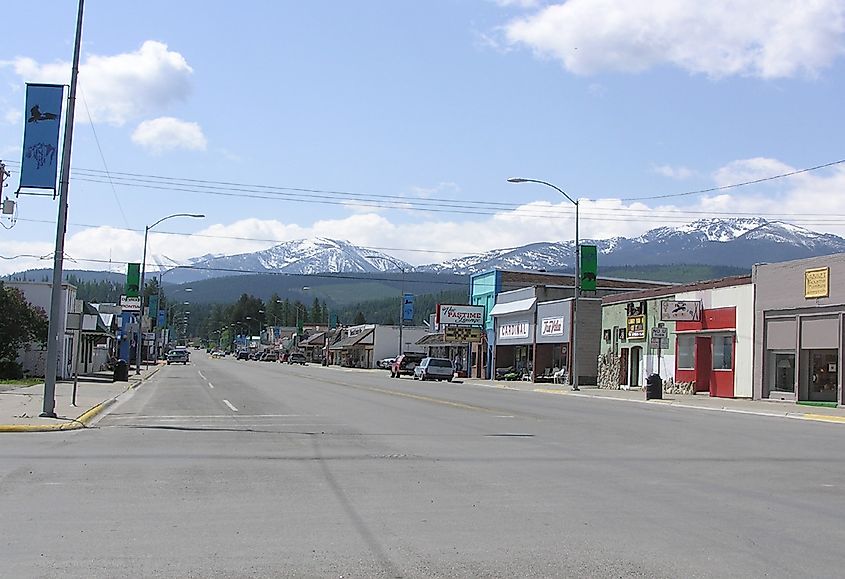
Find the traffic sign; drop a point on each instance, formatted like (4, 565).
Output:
(660, 332)
(659, 343)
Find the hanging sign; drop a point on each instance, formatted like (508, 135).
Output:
(41, 136)
(460, 315)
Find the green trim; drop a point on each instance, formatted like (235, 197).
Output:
(820, 404)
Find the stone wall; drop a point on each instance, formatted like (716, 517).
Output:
(608, 371)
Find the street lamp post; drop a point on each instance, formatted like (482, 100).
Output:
(577, 275)
(140, 342)
(401, 296)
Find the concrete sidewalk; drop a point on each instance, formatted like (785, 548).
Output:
(20, 406)
(699, 402)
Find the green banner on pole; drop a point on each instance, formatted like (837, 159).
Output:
(589, 267)
(133, 280)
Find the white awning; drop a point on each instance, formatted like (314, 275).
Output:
(513, 307)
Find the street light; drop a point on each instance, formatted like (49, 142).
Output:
(577, 274)
(139, 343)
(401, 295)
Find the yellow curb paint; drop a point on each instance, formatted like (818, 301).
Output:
(824, 418)
(549, 391)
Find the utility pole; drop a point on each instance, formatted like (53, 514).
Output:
(49, 408)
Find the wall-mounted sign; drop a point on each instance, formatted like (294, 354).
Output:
(551, 327)
(817, 282)
(514, 330)
(460, 315)
(636, 328)
(680, 311)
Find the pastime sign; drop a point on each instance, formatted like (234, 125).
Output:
(460, 315)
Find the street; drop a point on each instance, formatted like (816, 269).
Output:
(226, 468)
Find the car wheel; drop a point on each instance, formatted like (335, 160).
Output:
(448, 379)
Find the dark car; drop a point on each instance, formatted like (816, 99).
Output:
(177, 355)
(243, 355)
(270, 356)
(296, 358)
(405, 364)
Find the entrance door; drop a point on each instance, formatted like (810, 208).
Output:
(703, 364)
(623, 366)
(636, 358)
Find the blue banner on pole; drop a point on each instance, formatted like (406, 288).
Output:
(153, 309)
(408, 307)
(41, 136)
(161, 318)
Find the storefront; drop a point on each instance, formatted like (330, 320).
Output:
(513, 324)
(799, 314)
(552, 344)
(355, 349)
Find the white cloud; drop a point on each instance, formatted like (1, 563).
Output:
(168, 134)
(718, 38)
(680, 173)
(119, 87)
(12, 116)
(813, 200)
(517, 3)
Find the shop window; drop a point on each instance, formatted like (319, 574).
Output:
(686, 352)
(781, 372)
(723, 347)
(823, 375)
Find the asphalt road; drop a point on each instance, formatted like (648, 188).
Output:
(226, 468)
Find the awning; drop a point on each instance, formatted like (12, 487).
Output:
(350, 341)
(513, 307)
(432, 340)
(318, 339)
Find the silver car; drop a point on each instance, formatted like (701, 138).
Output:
(434, 369)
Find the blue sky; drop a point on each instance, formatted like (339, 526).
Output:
(390, 106)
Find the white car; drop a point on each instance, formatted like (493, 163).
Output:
(434, 369)
(385, 363)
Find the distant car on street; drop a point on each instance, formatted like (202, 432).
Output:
(405, 364)
(434, 369)
(385, 363)
(296, 358)
(270, 356)
(177, 355)
(243, 355)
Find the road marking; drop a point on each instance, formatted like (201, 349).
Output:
(229, 404)
(210, 385)
(184, 416)
(201, 374)
(824, 418)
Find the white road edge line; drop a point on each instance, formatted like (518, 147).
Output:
(201, 374)
(229, 404)
(210, 385)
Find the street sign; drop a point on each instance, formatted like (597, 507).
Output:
(659, 343)
(130, 304)
(660, 332)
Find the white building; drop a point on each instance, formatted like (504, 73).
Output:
(362, 346)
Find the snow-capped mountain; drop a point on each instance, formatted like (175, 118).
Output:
(302, 256)
(739, 242)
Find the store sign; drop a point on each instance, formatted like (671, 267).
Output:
(461, 334)
(514, 330)
(130, 304)
(460, 315)
(680, 311)
(552, 327)
(817, 282)
(636, 328)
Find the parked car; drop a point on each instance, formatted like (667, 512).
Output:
(434, 369)
(385, 363)
(296, 358)
(270, 356)
(243, 355)
(405, 364)
(177, 355)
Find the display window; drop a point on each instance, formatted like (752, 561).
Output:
(781, 373)
(723, 349)
(823, 375)
(686, 352)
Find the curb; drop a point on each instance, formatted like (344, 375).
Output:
(83, 419)
(786, 414)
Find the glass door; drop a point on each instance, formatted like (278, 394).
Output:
(824, 375)
(781, 374)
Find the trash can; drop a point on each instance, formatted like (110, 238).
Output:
(121, 371)
(654, 387)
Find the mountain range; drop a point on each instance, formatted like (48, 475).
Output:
(736, 242)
